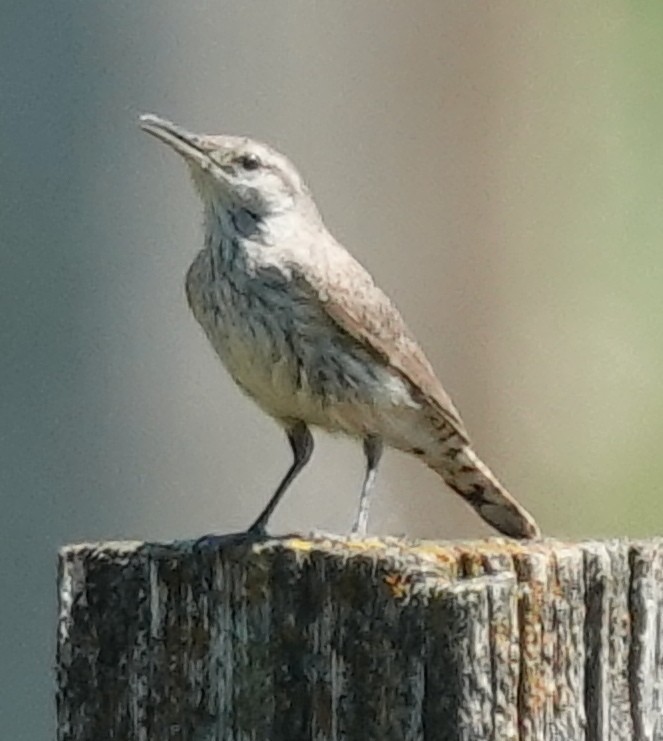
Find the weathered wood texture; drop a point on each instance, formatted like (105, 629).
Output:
(332, 639)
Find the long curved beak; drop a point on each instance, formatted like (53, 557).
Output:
(193, 147)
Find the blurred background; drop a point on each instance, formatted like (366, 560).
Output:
(497, 166)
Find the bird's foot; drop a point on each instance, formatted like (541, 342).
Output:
(220, 540)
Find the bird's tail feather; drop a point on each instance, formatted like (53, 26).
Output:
(467, 475)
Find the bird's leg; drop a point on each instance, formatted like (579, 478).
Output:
(301, 442)
(373, 453)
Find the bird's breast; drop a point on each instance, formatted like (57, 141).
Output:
(251, 321)
(283, 350)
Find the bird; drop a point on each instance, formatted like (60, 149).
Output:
(303, 329)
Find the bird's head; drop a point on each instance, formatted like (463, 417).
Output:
(236, 174)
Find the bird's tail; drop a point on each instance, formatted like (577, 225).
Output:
(467, 475)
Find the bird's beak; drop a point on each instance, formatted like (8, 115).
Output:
(193, 147)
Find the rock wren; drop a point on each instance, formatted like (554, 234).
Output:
(304, 331)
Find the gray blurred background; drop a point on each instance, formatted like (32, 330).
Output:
(497, 166)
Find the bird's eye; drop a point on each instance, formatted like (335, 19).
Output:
(249, 161)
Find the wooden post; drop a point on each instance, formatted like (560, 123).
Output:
(328, 638)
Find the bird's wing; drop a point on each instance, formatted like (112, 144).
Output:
(352, 300)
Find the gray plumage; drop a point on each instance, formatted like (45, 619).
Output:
(303, 330)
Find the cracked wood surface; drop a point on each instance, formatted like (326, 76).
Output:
(330, 638)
